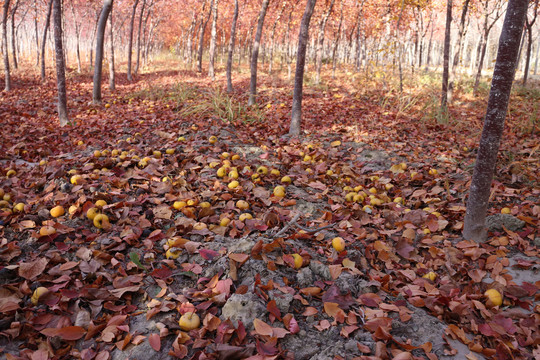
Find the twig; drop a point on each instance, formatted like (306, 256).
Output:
(287, 226)
(309, 230)
(306, 229)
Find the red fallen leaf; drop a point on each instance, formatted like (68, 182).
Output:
(239, 258)
(486, 330)
(477, 275)
(373, 324)
(291, 324)
(333, 294)
(317, 185)
(267, 349)
(403, 356)
(506, 323)
(404, 249)
(323, 325)
(155, 341)
(363, 348)
(310, 311)
(208, 254)
(32, 270)
(68, 333)
(161, 273)
(348, 330)
(459, 333)
(432, 223)
(273, 309)
(262, 328)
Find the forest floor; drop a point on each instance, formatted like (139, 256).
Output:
(383, 170)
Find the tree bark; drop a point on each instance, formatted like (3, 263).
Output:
(44, 39)
(457, 54)
(336, 42)
(529, 26)
(320, 42)
(36, 31)
(139, 37)
(78, 38)
(7, 75)
(112, 85)
(444, 94)
(503, 76)
(105, 11)
(213, 34)
(273, 36)
(231, 48)
(130, 42)
(13, 37)
(188, 53)
(255, 53)
(201, 38)
(296, 114)
(60, 65)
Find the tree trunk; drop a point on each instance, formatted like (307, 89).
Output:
(505, 67)
(231, 47)
(107, 7)
(7, 86)
(188, 53)
(130, 42)
(112, 85)
(13, 37)
(444, 94)
(78, 38)
(481, 65)
(36, 31)
(273, 37)
(529, 26)
(320, 42)
(398, 51)
(296, 114)
(60, 65)
(201, 39)
(255, 53)
(139, 37)
(44, 39)
(457, 54)
(213, 33)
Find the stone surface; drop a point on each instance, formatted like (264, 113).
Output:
(510, 222)
(245, 307)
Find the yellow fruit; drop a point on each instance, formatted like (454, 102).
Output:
(245, 216)
(57, 211)
(494, 297)
(11, 172)
(275, 172)
(43, 162)
(227, 163)
(225, 155)
(307, 158)
(398, 200)
(426, 231)
(19, 207)
(279, 191)
(115, 152)
(80, 142)
(358, 198)
(338, 244)
(403, 166)
(433, 172)
(101, 221)
(91, 213)
(179, 205)
(212, 139)
(205, 204)
(388, 186)
(374, 178)
(199, 226)
(97, 153)
(224, 222)
(107, 106)
(101, 203)
(39, 292)
(7, 197)
(172, 254)
(169, 151)
(47, 230)
(263, 170)
(430, 276)
(233, 174)
(189, 321)
(329, 172)
(242, 204)
(165, 179)
(347, 189)
(235, 157)
(335, 143)
(286, 179)
(192, 202)
(213, 164)
(375, 201)
(309, 171)
(181, 138)
(350, 196)
(254, 176)
(506, 210)
(373, 190)
(76, 179)
(298, 261)
(413, 174)
(221, 172)
(156, 154)
(233, 184)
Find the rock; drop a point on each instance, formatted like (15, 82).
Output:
(316, 345)
(536, 241)
(353, 284)
(283, 301)
(321, 270)
(510, 222)
(244, 307)
(304, 277)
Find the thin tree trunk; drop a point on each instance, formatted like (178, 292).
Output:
(77, 37)
(255, 54)
(320, 42)
(44, 39)
(273, 36)
(529, 26)
(231, 48)
(398, 51)
(503, 76)
(480, 65)
(105, 11)
(139, 37)
(336, 42)
(457, 54)
(13, 37)
(188, 53)
(213, 33)
(201, 40)
(130, 42)
(112, 85)
(296, 114)
(7, 75)
(36, 31)
(60, 65)
(444, 94)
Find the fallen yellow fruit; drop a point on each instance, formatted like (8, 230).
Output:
(275, 172)
(233, 184)
(212, 139)
(179, 205)
(242, 204)
(298, 261)
(76, 179)
(279, 191)
(338, 244)
(430, 276)
(245, 216)
(189, 321)
(225, 222)
(286, 179)
(494, 297)
(39, 292)
(101, 203)
(101, 221)
(263, 170)
(47, 231)
(506, 210)
(57, 211)
(172, 254)
(19, 207)
(91, 213)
